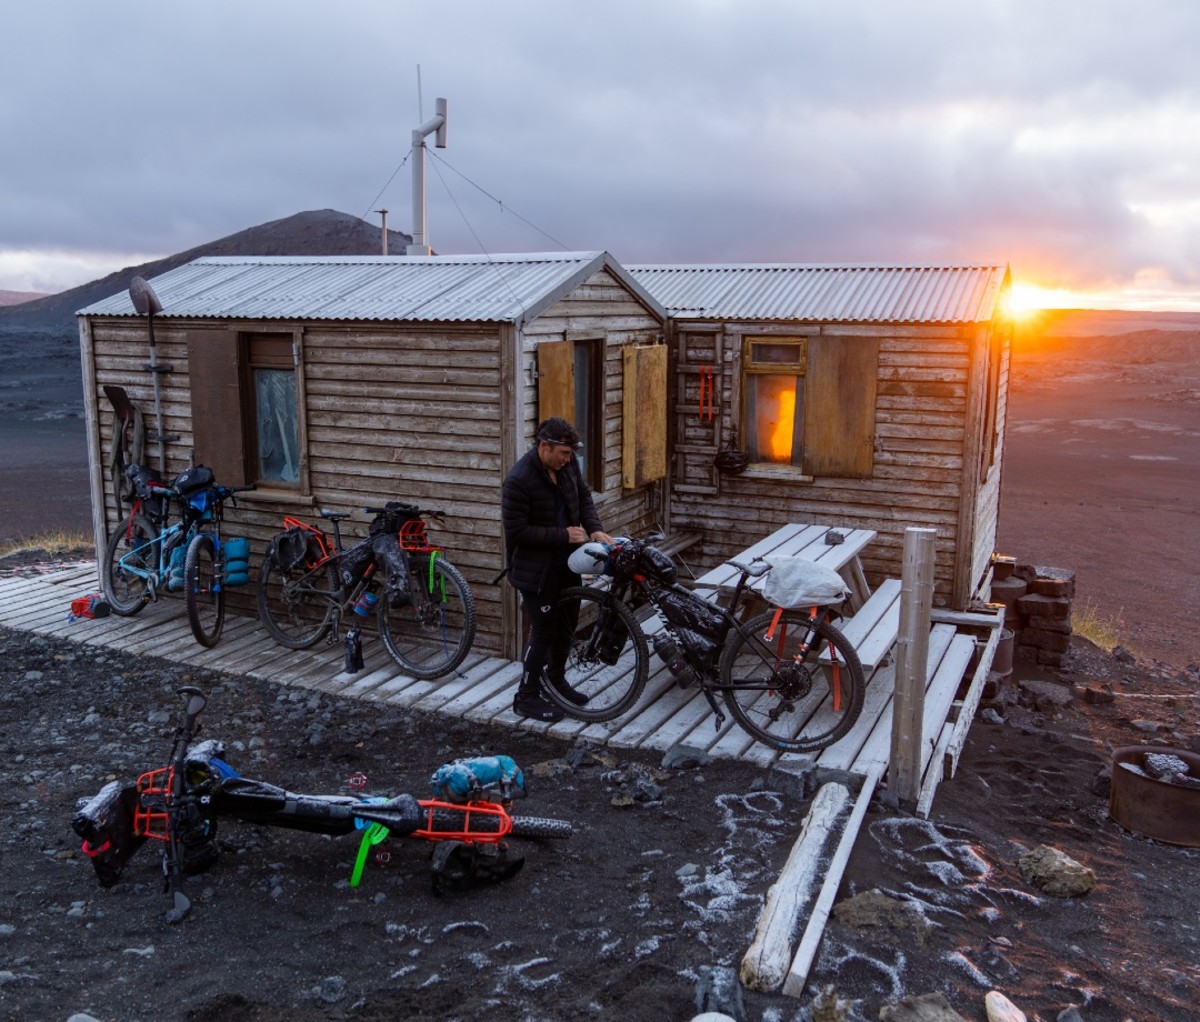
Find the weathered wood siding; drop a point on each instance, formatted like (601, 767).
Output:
(429, 414)
(392, 413)
(601, 307)
(923, 385)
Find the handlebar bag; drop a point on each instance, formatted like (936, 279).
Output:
(796, 582)
(196, 478)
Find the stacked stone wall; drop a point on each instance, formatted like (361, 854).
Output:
(1037, 603)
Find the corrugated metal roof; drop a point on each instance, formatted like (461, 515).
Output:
(499, 288)
(831, 293)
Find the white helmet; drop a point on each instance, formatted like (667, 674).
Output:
(589, 559)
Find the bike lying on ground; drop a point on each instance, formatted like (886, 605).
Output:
(180, 805)
(424, 608)
(789, 678)
(148, 555)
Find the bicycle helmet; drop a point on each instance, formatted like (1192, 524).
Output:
(589, 559)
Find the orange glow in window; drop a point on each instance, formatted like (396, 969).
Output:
(776, 416)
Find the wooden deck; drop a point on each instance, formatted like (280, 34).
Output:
(482, 688)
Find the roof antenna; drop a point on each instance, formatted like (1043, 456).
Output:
(383, 213)
(437, 123)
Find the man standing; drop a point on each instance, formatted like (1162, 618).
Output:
(547, 511)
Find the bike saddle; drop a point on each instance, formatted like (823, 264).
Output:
(755, 570)
(333, 516)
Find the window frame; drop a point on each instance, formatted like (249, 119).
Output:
(224, 429)
(752, 367)
(266, 350)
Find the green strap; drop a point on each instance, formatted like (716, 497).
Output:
(372, 835)
(434, 555)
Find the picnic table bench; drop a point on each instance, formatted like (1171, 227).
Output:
(876, 621)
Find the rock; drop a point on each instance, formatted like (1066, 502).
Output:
(1162, 764)
(900, 920)
(1046, 695)
(1055, 873)
(719, 992)
(829, 1006)
(990, 716)
(1070, 1014)
(684, 757)
(1001, 1009)
(1149, 726)
(922, 1008)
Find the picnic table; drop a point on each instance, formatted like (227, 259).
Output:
(826, 545)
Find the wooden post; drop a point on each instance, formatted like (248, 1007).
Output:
(912, 654)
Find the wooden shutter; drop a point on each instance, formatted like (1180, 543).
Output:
(644, 419)
(217, 433)
(839, 406)
(556, 379)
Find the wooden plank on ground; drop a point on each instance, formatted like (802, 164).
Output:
(765, 964)
(806, 951)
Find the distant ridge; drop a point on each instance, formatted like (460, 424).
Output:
(316, 232)
(17, 297)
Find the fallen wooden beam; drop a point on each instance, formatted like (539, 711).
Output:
(806, 951)
(765, 964)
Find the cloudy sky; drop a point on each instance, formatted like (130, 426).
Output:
(1059, 136)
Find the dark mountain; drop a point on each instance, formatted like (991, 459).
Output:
(316, 232)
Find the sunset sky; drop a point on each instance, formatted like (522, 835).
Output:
(1061, 138)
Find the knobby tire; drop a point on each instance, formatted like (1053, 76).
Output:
(126, 592)
(297, 606)
(785, 697)
(431, 634)
(204, 591)
(611, 688)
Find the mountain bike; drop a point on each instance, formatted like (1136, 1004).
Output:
(179, 806)
(424, 607)
(148, 554)
(789, 678)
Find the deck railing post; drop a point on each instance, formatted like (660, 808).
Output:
(912, 655)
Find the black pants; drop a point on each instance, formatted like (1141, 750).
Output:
(551, 625)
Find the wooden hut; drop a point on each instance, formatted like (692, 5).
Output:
(338, 382)
(867, 396)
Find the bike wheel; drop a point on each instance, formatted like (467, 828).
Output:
(297, 606)
(204, 590)
(540, 827)
(608, 659)
(432, 633)
(797, 687)
(130, 560)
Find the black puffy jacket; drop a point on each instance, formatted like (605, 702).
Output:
(533, 537)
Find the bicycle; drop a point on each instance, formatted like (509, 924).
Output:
(789, 678)
(424, 610)
(180, 805)
(146, 556)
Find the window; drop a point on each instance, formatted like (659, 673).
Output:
(269, 399)
(246, 409)
(809, 403)
(773, 399)
(571, 384)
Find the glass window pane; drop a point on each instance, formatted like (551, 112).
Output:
(278, 428)
(774, 418)
(777, 353)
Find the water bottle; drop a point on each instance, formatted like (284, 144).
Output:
(352, 661)
(670, 654)
(365, 603)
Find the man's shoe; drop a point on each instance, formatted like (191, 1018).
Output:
(571, 695)
(535, 707)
